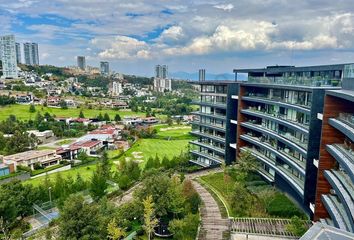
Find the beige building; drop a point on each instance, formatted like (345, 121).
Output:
(44, 158)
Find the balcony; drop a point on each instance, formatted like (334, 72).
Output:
(211, 115)
(336, 211)
(284, 173)
(200, 163)
(279, 102)
(277, 118)
(345, 124)
(215, 159)
(206, 135)
(343, 192)
(285, 138)
(208, 146)
(215, 127)
(265, 174)
(294, 163)
(210, 104)
(318, 81)
(343, 157)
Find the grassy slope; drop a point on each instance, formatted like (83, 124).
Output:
(22, 112)
(280, 202)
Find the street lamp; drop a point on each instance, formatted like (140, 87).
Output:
(50, 194)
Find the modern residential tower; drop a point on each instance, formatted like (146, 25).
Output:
(275, 116)
(335, 180)
(8, 56)
(31, 53)
(18, 53)
(161, 81)
(201, 74)
(104, 67)
(81, 62)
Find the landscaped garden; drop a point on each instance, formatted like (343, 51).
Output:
(255, 198)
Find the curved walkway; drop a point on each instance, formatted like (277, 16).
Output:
(213, 225)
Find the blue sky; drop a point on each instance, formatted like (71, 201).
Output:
(217, 35)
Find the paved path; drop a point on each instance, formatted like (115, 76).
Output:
(213, 225)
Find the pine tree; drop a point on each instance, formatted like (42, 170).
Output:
(81, 115)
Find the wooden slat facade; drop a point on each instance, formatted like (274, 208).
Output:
(332, 107)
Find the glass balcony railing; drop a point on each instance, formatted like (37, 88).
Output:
(278, 133)
(279, 99)
(348, 118)
(279, 116)
(317, 81)
(209, 146)
(218, 138)
(215, 115)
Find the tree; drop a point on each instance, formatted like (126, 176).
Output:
(169, 121)
(185, 228)
(150, 221)
(106, 117)
(117, 118)
(115, 232)
(98, 184)
(78, 219)
(32, 108)
(63, 104)
(81, 115)
(296, 226)
(247, 162)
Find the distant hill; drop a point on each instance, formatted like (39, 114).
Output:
(208, 76)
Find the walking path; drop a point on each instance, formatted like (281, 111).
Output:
(213, 225)
(128, 195)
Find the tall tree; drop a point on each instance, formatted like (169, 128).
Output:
(32, 108)
(117, 118)
(150, 221)
(114, 231)
(81, 115)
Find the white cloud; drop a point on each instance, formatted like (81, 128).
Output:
(225, 7)
(121, 47)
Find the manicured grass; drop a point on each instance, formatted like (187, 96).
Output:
(39, 171)
(85, 172)
(151, 147)
(175, 132)
(22, 112)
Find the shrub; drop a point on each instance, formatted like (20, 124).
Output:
(281, 206)
(297, 226)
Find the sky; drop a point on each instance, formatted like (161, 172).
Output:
(186, 35)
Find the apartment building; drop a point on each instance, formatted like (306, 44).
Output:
(8, 56)
(335, 180)
(215, 126)
(276, 115)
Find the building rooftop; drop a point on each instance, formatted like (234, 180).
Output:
(278, 69)
(89, 144)
(28, 155)
(321, 231)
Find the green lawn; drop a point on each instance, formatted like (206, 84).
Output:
(22, 112)
(85, 172)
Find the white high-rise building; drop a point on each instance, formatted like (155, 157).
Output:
(104, 67)
(8, 56)
(162, 84)
(31, 53)
(117, 88)
(161, 81)
(18, 53)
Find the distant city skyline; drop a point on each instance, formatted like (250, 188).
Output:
(217, 36)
